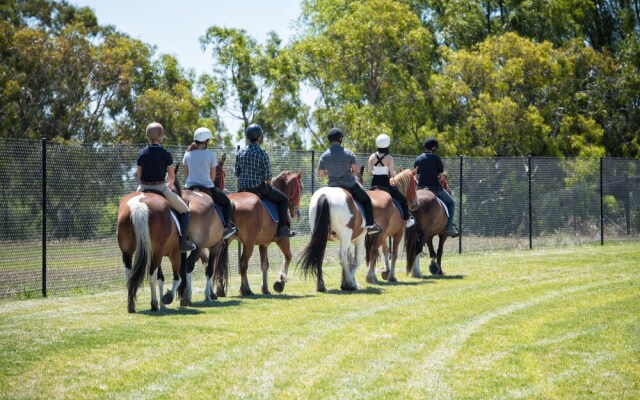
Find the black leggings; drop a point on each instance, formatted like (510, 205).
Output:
(361, 196)
(275, 195)
(395, 193)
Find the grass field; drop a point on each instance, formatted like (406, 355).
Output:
(553, 323)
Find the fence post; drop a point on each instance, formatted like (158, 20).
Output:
(530, 205)
(44, 217)
(601, 204)
(460, 209)
(313, 175)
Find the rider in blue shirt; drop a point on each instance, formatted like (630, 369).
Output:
(431, 176)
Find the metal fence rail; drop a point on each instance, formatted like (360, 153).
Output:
(59, 204)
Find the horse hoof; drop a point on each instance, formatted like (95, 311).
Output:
(278, 286)
(154, 307)
(393, 279)
(167, 298)
(434, 268)
(247, 292)
(131, 309)
(266, 292)
(385, 275)
(185, 303)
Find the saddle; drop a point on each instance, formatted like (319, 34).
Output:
(216, 206)
(271, 207)
(396, 202)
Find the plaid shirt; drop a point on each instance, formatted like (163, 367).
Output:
(252, 167)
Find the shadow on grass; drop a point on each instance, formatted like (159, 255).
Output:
(402, 283)
(368, 290)
(260, 296)
(442, 277)
(216, 303)
(171, 311)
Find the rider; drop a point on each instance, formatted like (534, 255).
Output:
(200, 170)
(154, 163)
(339, 164)
(432, 176)
(381, 167)
(253, 170)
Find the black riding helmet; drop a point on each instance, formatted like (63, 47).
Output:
(335, 135)
(430, 144)
(253, 132)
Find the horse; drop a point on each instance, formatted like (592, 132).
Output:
(256, 227)
(145, 228)
(334, 215)
(205, 231)
(431, 220)
(388, 217)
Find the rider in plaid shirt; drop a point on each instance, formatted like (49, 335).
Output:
(253, 170)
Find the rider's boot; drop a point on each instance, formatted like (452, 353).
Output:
(231, 230)
(409, 222)
(373, 229)
(452, 231)
(185, 245)
(284, 232)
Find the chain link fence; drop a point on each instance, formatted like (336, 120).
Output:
(501, 203)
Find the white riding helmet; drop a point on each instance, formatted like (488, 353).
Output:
(383, 141)
(202, 134)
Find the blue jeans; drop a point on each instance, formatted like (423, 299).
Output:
(448, 201)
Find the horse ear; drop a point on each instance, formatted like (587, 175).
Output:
(300, 173)
(401, 169)
(223, 158)
(415, 170)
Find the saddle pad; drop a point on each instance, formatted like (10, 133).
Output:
(219, 210)
(271, 207)
(446, 210)
(174, 214)
(397, 203)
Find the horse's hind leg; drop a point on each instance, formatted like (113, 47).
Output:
(285, 247)
(171, 294)
(442, 239)
(373, 258)
(127, 259)
(384, 249)
(214, 256)
(394, 256)
(153, 283)
(348, 280)
(245, 289)
(187, 265)
(264, 266)
(434, 267)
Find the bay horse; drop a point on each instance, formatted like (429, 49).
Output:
(431, 220)
(334, 216)
(387, 215)
(256, 227)
(145, 228)
(205, 231)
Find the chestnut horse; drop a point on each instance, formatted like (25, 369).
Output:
(334, 215)
(205, 231)
(256, 227)
(431, 220)
(145, 228)
(388, 217)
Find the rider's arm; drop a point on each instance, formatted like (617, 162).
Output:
(355, 169)
(392, 172)
(171, 172)
(139, 172)
(212, 173)
(370, 165)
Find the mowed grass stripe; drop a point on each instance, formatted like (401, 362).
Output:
(507, 324)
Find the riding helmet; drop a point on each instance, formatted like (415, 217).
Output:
(335, 135)
(202, 134)
(383, 141)
(253, 132)
(430, 143)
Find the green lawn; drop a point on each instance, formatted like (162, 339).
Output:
(553, 323)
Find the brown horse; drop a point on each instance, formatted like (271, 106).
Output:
(255, 227)
(145, 228)
(388, 217)
(431, 220)
(205, 231)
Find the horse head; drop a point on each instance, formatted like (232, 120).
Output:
(290, 183)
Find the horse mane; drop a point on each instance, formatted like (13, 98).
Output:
(402, 179)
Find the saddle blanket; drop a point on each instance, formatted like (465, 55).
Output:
(174, 214)
(446, 210)
(219, 211)
(271, 207)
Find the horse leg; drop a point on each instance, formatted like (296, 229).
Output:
(285, 247)
(171, 294)
(247, 250)
(153, 283)
(385, 254)
(442, 239)
(186, 270)
(433, 266)
(394, 256)
(214, 256)
(415, 271)
(373, 256)
(264, 266)
(348, 282)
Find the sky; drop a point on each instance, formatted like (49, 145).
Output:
(175, 26)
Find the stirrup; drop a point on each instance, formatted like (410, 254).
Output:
(373, 229)
(186, 245)
(230, 231)
(284, 232)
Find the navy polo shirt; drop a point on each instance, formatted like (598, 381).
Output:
(154, 160)
(429, 167)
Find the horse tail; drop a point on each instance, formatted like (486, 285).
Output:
(221, 269)
(142, 261)
(313, 254)
(411, 240)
